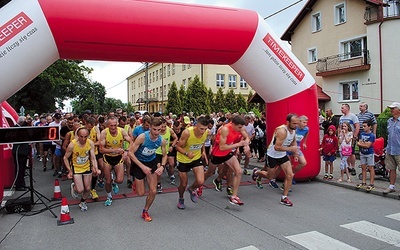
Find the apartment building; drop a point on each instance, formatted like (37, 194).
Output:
(159, 78)
(351, 48)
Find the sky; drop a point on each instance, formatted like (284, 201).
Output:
(113, 74)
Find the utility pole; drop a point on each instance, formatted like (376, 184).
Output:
(146, 87)
(162, 90)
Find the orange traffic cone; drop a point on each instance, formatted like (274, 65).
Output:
(57, 191)
(65, 218)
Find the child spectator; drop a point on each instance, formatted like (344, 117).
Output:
(367, 138)
(345, 140)
(329, 146)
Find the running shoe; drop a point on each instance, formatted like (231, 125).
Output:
(254, 175)
(115, 188)
(181, 203)
(234, 200)
(245, 172)
(352, 171)
(129, 183)
(370, 187)
(218, 185)
(272, 183)
(159, 188)
(172, 180)
(294, 182)
(83, 206)
(44, 169)
(326, 176)
(146, 216)
(330, 177)
(388, 190)
(59, 174)
(74, 194)
(94, 194)
(193, 195)
(361, 185)
(108, 202)
(55, 173)
(229, 191)
(285, 201)
(199, 191)
(259, 184)
(100, 183)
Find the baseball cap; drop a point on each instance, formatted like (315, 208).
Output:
(57, 115)
(394, 105)
(35, 115)
(186, 119)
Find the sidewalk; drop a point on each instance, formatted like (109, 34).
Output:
(380, 183)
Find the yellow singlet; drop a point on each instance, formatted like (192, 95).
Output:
(93, 137)
(81, 157)
(194, 145)
(166, 137)
(114, 142)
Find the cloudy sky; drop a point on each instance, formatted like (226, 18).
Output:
(113, 74)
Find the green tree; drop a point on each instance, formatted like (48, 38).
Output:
(174, 104)
(64, 79)
(196, 98)
(211, 100)
(250, 106)
(241, 103)
(219, 103)
(92, 97)
(182, 97)
(230, 101)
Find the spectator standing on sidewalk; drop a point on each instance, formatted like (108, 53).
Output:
(329, 146)
(392, 160)
(354, 123)
(330, 119)
(345, 147)
(365, 144)
(365, 115)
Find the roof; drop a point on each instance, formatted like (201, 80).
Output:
(322, 96)
(287, 35)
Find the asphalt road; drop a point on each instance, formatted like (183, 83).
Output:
(323, 217)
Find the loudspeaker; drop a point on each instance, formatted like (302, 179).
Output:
(17, 206)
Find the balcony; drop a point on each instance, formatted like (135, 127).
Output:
(343, 63)
(389, 9)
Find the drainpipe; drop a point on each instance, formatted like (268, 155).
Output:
(380, 54)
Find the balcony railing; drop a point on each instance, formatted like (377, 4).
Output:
(389, 9)
(343, 61)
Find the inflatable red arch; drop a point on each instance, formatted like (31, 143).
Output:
(35, 33)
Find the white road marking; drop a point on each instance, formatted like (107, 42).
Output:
(248, 248)
(317, 241)
(394, 216)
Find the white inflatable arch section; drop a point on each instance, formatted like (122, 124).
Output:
(35, 33)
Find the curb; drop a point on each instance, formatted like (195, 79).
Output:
(351, 186)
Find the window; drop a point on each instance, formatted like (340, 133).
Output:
(243, 83)
(232, 81)
(165, 70)
(183, 67)
(154, 76)
(312, 55)
(165, 90)
(189, 80)
(189, 66)
(169, 69)
(134, 84)
(340, 13)
(173, 68)
(220, 80)
(157, 75)
(184, 83)
(349, 90)
(316, 24)
(353, 48)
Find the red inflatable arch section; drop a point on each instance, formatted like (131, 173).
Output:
(35, 33)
